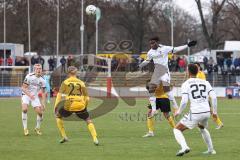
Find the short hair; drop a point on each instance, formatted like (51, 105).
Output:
(37, 65)
(72, 70)
(154, 39)
(192, 69)
(198, 64)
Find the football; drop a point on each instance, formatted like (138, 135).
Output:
(91, 10)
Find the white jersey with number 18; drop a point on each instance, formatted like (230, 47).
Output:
(198, 92)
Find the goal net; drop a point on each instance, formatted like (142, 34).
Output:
(11, 79)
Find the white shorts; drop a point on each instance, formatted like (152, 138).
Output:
(35, 103)
(192, 120)
(160, 74)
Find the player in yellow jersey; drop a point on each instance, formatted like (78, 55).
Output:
(201, 75)
(162, 103)
(75, 101)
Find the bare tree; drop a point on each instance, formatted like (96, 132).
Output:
(231, 21)
(212, 35)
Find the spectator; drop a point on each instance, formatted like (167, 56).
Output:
(54, 62)
(177, 62)
(51, 63)
(34, 60)
(229, 63)
(210, 65)
(9, 61)
(1, 61)
(63, 64)
(205, 62)
(236, 62)
(41, 61)
(220, 62)
(181, 64)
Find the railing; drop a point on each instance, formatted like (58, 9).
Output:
(119, 79)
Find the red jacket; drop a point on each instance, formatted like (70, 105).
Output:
(9, 61)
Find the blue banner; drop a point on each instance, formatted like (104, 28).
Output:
(10, 91)
(233, 91)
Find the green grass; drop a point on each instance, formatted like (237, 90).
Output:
(120, 135)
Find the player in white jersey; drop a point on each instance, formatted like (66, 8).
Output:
(198, 91)
(159, 55)
(31, 86)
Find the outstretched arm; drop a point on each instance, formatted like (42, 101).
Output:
(144, 63)
(181, 48)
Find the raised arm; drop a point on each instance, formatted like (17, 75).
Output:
(181, 48)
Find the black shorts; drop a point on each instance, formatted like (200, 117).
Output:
(163, 104)
(81, 114)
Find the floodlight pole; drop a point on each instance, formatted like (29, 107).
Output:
(96, 37)
(188, 51)
(57, 38)
(82, 34)
(172, 41)
(82, 29)
(98, 16)
(4, 32)
(29, 29)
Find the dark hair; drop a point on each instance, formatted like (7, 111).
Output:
(198, 64)
(192, 69)
(154, 39)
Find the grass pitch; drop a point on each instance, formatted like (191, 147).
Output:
(120, 134)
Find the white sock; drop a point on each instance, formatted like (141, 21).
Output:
(39, 120)
(207, 138)
(180, 138)
(152, 101)
(24, 120)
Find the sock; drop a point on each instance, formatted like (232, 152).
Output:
(150, 124)
(171, 121)
(61, 127)
(152, 101)
(24, 120)
(218, 121)
(180, 138)
(207, 138)
(92, 130)
(39, 120)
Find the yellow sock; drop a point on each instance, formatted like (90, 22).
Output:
(171, 121)
(150, 124)
(92, 130)
(218, 121)
(61, 127)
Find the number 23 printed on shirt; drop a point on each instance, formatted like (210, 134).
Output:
(78, 91)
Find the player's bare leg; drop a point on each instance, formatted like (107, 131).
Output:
(24, 119)
(92, 130)
(180, 139)
(39, 112)
(207, 139)
(152, 99)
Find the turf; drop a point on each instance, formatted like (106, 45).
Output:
(120, 134)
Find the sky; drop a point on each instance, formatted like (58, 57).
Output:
(189, 6)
